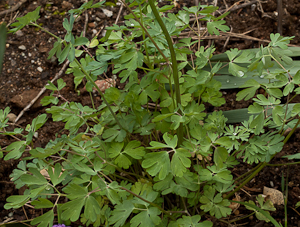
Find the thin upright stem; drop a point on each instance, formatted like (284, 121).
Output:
(146, 31)
(174, 66)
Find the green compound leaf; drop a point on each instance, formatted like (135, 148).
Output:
(134, 150)
(177, 120)
(112, 94)
(171, 142)
(220, 156)
(288, 89)
(42, 203)
(180, 162)
(55, 50)
(92, 208)
(232, 53)
(114, 134)
(212, 27)
(220, 175)
(236, 70)
(23, 21)
(44, 220)
(184, 17)
(224, 141)
(81, 41)
(279, 41)
(82, 167)
(255, 108)
(111, 192)
(248, 93)
(278, 115)
(121, 159)
(15, 150)
(296, 77)
(16, 201)
(293, 156)
(148, 218)
(75, 191)
(193, 221)
(258, 123)
(121, 213)
(57, 176)
(263, 101)
(152, 91)
(85, 6)
(46, 100)
(35, 179)
(215, 204)
(72, 209)
(71, 54)
(157, 162)
(250, 205)
(64, 53)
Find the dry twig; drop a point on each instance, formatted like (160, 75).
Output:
(14, 8)
(121, 8)
(42, 91)
(226, 42)
(224, 35)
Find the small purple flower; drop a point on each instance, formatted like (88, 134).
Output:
(60, 225)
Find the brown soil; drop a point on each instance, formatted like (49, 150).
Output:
(25, 72)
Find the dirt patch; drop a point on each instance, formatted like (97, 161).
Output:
(26, 70)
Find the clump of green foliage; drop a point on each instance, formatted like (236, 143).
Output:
(151, 155)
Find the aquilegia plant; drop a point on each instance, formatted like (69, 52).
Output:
(150, 154)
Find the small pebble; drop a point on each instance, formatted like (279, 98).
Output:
(66, 5)
(108, 13)
(22, 47)
(13, 62)
(91, 25)
(11, 117)
(53, 59)
(40, 69)
(19, 33)
(36, 134)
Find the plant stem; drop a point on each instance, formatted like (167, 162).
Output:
(143, 27)
(174, 66)
(284, 164)
(246, 174)
(100, 92)
(291, 132)
(241, 218)
(34, 24)
(261, 166)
